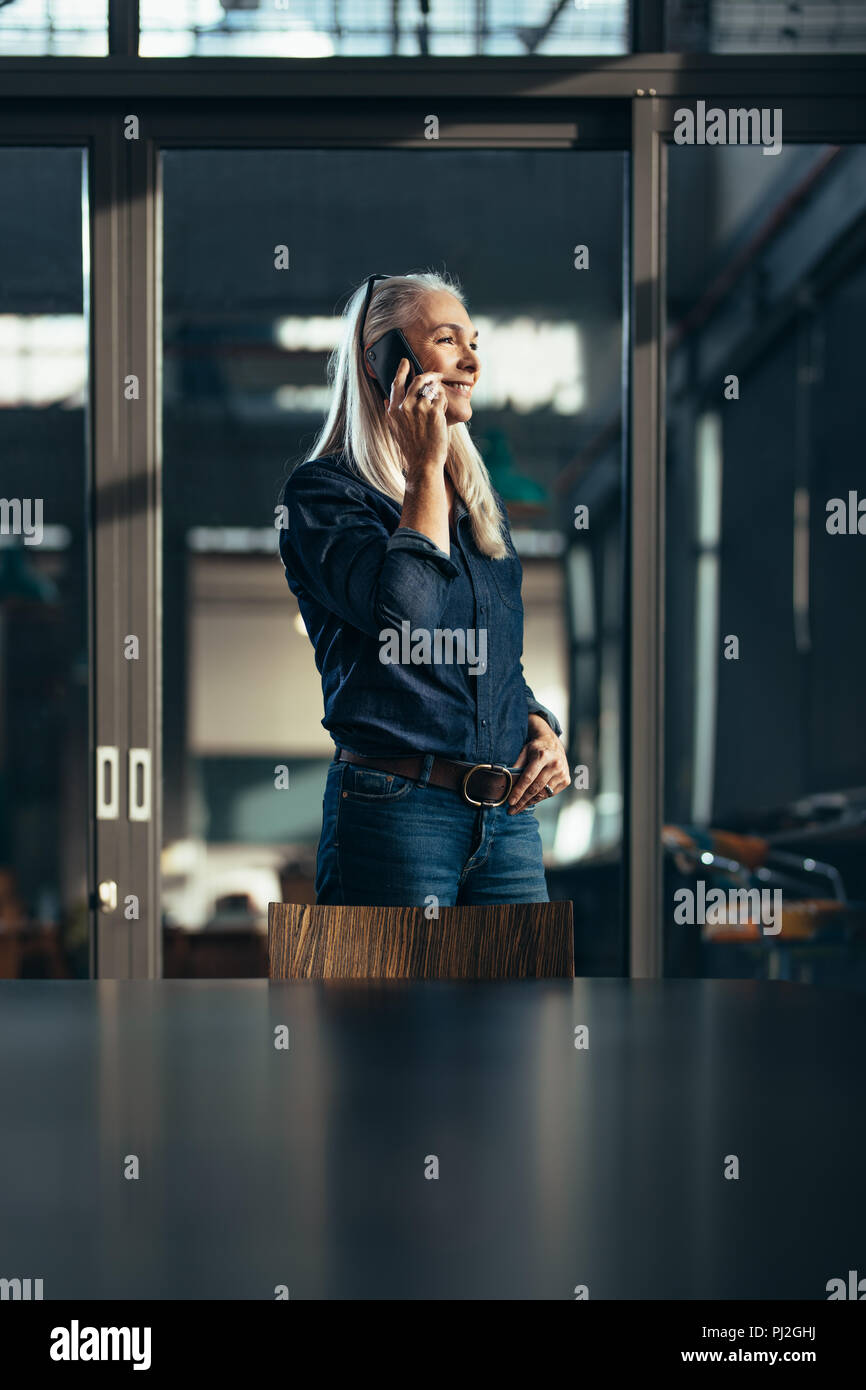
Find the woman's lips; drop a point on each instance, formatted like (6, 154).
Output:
(463, 387)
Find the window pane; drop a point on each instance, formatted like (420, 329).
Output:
(356, 28)
(245, 392)
(766, 565)
(43, 567)
(765, 26)
(61, 28)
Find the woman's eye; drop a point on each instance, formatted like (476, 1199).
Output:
(473, 347)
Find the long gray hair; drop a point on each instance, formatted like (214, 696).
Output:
(356, 422)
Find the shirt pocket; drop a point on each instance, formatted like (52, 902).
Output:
(372, 784)
(508, 577)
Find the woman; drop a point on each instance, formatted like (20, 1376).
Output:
(398, 551)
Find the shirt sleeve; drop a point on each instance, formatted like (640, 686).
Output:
(338, 550)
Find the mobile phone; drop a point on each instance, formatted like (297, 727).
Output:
(384, 357)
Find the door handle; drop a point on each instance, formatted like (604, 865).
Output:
(139, 809)
(107, 801)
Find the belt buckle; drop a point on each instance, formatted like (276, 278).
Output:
(494, 767)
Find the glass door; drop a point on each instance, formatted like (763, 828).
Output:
(260, 250)
(44, 565)
(765, 761)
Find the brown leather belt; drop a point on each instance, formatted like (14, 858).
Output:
(491, 783)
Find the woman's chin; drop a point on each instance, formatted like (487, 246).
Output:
(459, 413)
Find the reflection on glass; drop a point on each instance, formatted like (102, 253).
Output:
(765, 764)
(59, 28)
(43, 567)
(402, 28)
(765, 26)
(245, 357)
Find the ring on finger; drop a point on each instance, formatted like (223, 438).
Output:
(542, 795)
(429, 390)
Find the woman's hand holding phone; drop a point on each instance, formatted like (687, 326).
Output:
(418, 424)
(418, 420)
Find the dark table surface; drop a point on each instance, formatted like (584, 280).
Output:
(557, 1166)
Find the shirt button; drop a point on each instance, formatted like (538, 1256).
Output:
(484, 721)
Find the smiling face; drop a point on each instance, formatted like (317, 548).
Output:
(445, 340)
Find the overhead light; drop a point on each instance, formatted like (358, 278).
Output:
(307, 44)
(43, 359)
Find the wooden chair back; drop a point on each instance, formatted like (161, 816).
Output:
(498, 942)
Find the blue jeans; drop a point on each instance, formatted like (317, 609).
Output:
(389, 841)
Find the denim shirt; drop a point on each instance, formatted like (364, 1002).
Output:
(368, 587)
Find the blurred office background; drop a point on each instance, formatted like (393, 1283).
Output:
(765, 762)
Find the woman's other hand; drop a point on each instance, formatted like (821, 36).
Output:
(543, 763)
